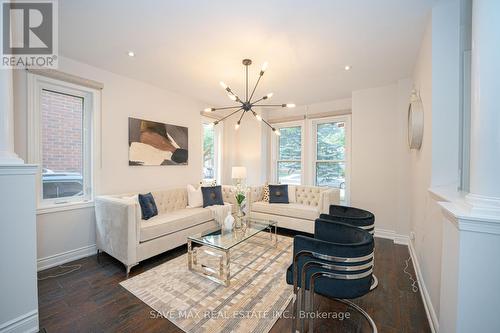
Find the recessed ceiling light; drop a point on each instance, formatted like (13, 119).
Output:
(131, 54)
(347, 67)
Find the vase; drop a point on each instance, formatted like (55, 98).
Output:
(228, 222)
(239, 217)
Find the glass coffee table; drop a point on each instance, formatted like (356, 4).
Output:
(217, 243)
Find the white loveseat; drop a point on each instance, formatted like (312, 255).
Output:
(123, 234)
(305, 207)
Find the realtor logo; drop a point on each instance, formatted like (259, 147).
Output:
(29, 34)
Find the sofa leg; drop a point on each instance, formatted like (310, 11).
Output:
(128, 267)
(128, 271)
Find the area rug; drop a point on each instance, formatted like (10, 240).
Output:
(254, 301)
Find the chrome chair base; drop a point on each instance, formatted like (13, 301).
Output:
(374, 283)
(361, 311)
(349, 303)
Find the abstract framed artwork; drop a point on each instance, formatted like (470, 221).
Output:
(154, 143)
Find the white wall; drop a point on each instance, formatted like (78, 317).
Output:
(425, 213)
(446, 92)
(437, 77)
(121, 97)
(246, 147)
(379, 154)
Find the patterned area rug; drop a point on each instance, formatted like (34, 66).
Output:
(257, 295)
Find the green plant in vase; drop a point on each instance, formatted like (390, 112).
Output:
(240, 198)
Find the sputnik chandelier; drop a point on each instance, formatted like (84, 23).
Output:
(248, 104)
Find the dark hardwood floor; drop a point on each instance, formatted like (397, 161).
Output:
(91, 299)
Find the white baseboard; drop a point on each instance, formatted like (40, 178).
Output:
(392, 235)
(401, 239)
(26, 323)
(384, 233)
(429, 308)
(61, 258)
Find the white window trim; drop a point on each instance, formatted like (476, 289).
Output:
(92, 103)
(218, 137)
(308, 164)
(275, 147)
(312, 151)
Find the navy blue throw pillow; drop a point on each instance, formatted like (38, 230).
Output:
(212, 195)
(278, 194)
(148, 206)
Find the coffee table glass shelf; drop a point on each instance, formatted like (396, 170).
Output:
(218, 242)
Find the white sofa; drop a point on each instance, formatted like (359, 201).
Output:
(123, 234)
(306, 206)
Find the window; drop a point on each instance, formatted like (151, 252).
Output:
(62, 145)
(289, 155)
(313, 152)
(211, 150)
(330, 153)
(60, 139)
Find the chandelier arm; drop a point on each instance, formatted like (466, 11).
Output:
(230, 91)
(229, 115)
(269, 105)
(242, 114)
(237, 98)
(265, 122)
(255, 87)
(270, 126)
(246, 88)
(257, 101)
(227, 107)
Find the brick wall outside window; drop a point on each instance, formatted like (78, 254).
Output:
(62, 132)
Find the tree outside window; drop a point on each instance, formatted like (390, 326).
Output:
(289, 165)
(208, 152)
(330, 154)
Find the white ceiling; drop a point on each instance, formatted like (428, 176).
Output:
(188, 46)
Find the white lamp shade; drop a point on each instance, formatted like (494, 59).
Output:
(239, 172)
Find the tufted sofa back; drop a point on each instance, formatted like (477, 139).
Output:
(229, 193)
(176, 198)
(304, 195)
(308, 195)
(256, 193)
(170, 200)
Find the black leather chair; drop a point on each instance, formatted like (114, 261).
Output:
(336, 263)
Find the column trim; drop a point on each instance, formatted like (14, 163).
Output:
(464, 219)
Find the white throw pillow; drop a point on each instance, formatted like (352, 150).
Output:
(195, 198)
(291, 194)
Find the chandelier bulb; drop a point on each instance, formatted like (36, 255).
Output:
(289, 105)
(237, 125)
(209, 110)
(258, 117)
(268, 96)
(232, 97)
(223, 85)
(276, 131)
(264, 67)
